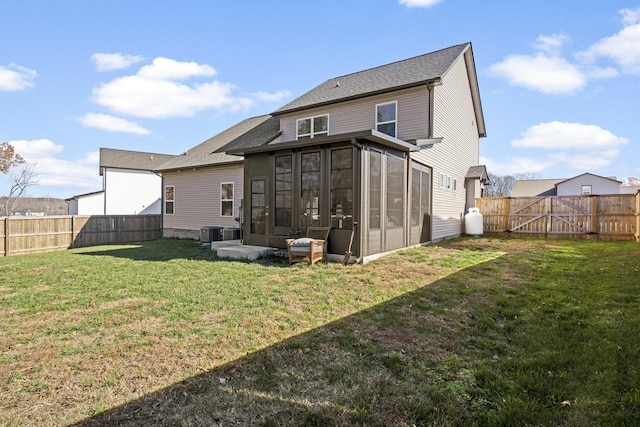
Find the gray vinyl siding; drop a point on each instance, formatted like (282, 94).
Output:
(197, 198)
(454, 121)
(599, 185)
(358, 115)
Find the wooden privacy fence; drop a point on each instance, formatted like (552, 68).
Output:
(612, 217)
(24, 235)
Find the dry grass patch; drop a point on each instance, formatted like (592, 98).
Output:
(464, 333)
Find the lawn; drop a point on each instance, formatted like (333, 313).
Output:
(473, 331)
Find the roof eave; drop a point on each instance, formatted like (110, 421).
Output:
(370, 135)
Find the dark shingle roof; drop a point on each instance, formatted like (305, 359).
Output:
(406, 73)
(262, 134)
(207, 153)
(134, 160)
(478, 172)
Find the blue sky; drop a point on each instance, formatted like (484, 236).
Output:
(559, 80)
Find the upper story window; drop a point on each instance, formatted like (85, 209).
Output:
(386, 118)
(312, 126)
(586, 190)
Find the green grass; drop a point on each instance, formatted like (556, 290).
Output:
(477, 331)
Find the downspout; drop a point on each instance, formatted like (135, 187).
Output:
(430, 89)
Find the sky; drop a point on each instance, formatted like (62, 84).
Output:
(559, 80)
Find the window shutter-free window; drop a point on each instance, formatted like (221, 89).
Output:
(386, 118)
(226, 199)
(169, 200)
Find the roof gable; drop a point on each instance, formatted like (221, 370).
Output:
(591, 175)
(397, 75)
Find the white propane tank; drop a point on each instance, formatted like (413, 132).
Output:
(473, 222)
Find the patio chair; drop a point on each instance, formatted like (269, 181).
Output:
(312, 248)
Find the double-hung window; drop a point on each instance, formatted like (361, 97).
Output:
(226, 199)
(169, 199)
(386, 118)
(586, 190)
(312, 126)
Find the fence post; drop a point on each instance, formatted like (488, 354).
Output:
(6, 236)
(549, 210)
(638, 216)
(593, 227)
(507, 207)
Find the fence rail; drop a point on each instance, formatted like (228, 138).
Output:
(611, 217)
(24, 235)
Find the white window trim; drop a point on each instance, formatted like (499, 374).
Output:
(312, 132)
(172, 200)
(233, 190)
(590, 190)
(388, 121)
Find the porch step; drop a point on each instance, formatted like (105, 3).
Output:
(243, 252)
(224, 243)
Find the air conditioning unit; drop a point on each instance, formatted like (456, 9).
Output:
(210, 234)
(231, 234)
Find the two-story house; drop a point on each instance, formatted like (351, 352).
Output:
(129, 185)
(394, 149)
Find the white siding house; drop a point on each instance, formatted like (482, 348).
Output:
(87, 204)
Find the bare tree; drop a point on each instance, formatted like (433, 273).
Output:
(21, 179)
(632, 180)
(500, 186)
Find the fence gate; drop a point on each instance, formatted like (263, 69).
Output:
(555, 215)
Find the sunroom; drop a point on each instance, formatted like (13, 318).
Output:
(363, 183)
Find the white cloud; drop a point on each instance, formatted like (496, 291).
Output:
(623, 48)
(169, 69)
(550, 43)
(271, 97)
(591, 161)
(630, 16)
(79, 174)
(419, 3)
(112, 124)
(516, 165)
(562, 136)
(36, 149)
(542, 72)
(15, 77)
(114, 61)
(154, 92)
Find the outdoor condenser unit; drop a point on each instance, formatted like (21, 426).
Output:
(210, 234)
(231, 234)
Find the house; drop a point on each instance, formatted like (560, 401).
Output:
(393, 149)
(204, 188)
(585, 184)
(87, 203)
(129, 185)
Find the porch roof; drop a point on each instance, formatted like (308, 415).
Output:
(369, 135)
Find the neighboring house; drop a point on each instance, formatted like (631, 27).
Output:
(585, 184)
(87, 204)
(129, 185)
(394, 149)
(534, 187)
(204, 188)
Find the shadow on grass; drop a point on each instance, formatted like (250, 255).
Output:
(381, 366)
(167, 250)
